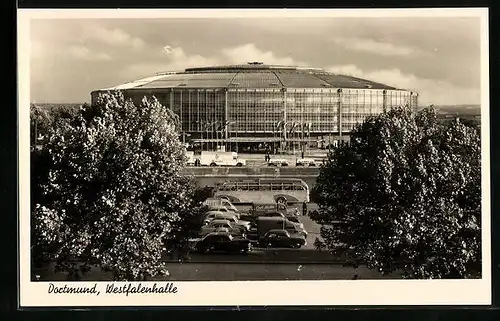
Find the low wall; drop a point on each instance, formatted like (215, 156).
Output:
(249, 171)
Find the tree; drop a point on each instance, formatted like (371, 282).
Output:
(407, 190)
(112, 194)
(42, 118)
(40, 122)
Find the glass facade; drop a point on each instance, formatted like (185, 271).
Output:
(255, 110)
(312, 110)
(273, 114)
(305, 111)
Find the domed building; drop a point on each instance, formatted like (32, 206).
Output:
(242, 107)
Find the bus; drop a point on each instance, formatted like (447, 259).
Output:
(268, 190)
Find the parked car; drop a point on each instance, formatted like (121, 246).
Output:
(224, 242)
(295, 220)
(253, 234)
(271, 214)
(249, 218)
(282, 238)
(222, 226)
(213, 215)
(232, 217)
(305, 162)
(293, 211)
(218, 201)
(223, 209)
(218, 158)
(266, 224)
(278, 162)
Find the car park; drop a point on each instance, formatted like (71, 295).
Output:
(224, 242)
(282, 238)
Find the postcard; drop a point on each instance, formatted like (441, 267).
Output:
(254, 157)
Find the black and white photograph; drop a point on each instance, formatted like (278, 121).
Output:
(240, 157)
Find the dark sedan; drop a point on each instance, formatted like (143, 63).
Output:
(223, 242)
(282, 238)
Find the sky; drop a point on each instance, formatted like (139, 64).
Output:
(437, 57)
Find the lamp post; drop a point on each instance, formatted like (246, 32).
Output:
(275, 129)
(228, 132)
(292, 134)
(205, 129)
(216, 132)
(199, 127)
(302, 134)
(283, 132)
(209, 134)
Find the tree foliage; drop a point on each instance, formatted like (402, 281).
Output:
(111, 194)
(408, 192)
(43, 118)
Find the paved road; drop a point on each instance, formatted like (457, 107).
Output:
(241, 272)
(268, 272)
(274, 255)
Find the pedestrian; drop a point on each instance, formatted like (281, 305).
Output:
(302, 154)
(304, 208)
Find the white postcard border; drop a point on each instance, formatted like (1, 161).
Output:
(237, 293)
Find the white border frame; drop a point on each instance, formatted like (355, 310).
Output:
(358, 292)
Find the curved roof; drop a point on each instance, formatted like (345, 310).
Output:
(252, 75)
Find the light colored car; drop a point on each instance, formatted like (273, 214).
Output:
(305, 162)
(223, 209)
(220, 201)
(295, 220)
(278, 162)
(221, 226)
(231, 217)
(212, 215)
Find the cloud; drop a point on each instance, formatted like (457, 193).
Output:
(170, 58)
(167, 49)
(431, 91)
(376, 47)
(112, 36)
(84, 53)
(249, 52)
